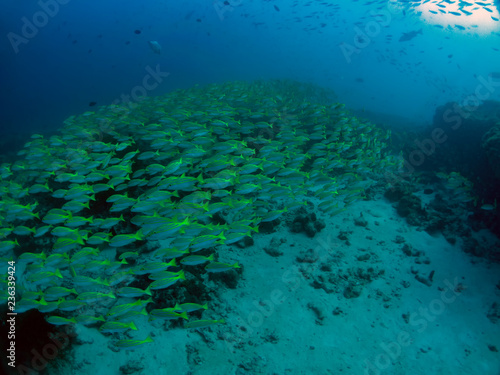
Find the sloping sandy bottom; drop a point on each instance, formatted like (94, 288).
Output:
(329, 306)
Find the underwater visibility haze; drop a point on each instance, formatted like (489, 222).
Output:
(250, 187)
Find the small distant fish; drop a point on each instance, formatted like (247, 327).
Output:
(91, 104)
(137, 31)
(220, 267)
(155, 46)
(276, 8)
(409, 36)
(60, 321)
(489, 206)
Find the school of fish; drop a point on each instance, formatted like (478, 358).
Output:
(143, 194)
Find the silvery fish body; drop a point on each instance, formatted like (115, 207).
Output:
(155, 46)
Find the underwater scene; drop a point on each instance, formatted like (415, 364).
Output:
(250, 187)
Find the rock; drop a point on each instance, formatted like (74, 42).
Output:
(245, 242)
(230, 278)
(297, 226)
(425, 280)
(353, 291)
(133, 366)
(494, 313)
(309, 256)
(492, 348)
(343, 235)
(409, 205)
(399, 240)
(363, 258)
(472, 246)
(273, 248)
(307, 223)
(320, 316)
(490, 143)
(309, 229)
(360, 221)
(338, 311)
(394, 194)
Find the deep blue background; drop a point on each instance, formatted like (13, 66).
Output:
(88, 52)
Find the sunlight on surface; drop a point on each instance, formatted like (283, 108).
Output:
(480, 18)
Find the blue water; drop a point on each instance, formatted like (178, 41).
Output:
(421, 204)
(86, 52)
